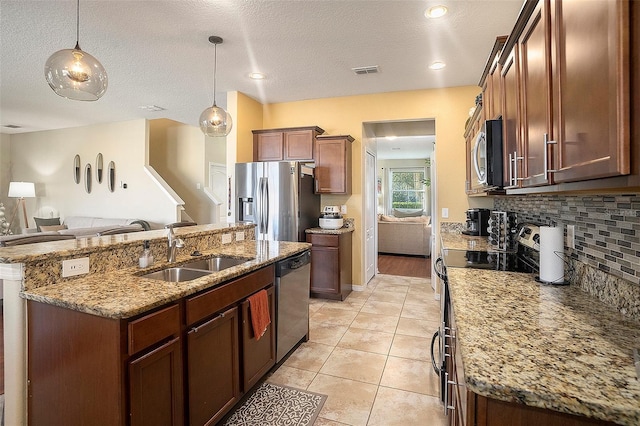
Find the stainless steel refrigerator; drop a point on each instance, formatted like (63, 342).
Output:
(278, 197)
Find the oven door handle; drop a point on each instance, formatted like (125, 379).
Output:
(440, 269)
(437, 369)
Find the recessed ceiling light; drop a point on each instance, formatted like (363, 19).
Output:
(436, 12)
(390, 138)
(256, 76)
(437, 65)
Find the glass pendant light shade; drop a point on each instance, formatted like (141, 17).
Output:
(75, 74)
(215, 121)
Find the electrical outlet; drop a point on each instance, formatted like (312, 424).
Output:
(73, 267)
(226, 238)
(445, 212)
(571, 236)
(197, 185)
(343, 209)
(240, 236)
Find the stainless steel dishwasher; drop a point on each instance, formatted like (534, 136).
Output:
(292, 302)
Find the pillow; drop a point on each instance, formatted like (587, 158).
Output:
(46, 228)
(407, 213)
(47, 221)
(418, 219)
(385, 218)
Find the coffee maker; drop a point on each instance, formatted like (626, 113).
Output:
(477, 222)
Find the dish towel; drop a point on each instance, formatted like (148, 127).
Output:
(259, 308)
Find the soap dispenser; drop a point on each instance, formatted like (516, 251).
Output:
(146, 258)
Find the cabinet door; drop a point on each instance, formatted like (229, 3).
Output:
(511, 120)
(495, 92)
(155, 386)
(468, 147)
(213, 368)
(333, 171)
(268, 146)
(325, 270)
(593, 95)
(258, 355)
(298, 145)
(535, 79)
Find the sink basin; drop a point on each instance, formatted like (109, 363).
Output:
(176, 274)
(215, 264)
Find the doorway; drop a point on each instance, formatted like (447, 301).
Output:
(396, 145)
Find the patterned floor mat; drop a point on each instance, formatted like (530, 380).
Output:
(275, 405)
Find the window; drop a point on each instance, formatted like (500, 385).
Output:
(407, 188)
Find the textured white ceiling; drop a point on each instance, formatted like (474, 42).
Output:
(157, 52)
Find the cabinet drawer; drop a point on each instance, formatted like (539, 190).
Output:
(208, 303)
(154, 327)
(323, 240)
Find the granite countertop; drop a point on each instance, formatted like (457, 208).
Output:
(328, 231)
(124, 294)
(451, 241)
(545, 346)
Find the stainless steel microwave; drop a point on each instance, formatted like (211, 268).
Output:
(486, 157)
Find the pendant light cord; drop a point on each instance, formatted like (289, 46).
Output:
(78, 25)
(215, 66)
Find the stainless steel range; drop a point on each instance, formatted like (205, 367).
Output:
(525, 259)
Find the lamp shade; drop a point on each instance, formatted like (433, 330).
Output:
(22, 190)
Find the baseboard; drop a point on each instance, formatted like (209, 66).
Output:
(358, 287)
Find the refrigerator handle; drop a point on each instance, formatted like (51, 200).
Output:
(266, 205)
(261, 202)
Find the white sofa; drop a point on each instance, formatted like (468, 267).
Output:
(406, 235)
(74, 227)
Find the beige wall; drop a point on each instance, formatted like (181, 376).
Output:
(346, 115)
(177, 153)
(46, 158)
(5, 173)
(250, 119)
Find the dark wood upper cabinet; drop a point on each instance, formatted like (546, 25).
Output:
(592, 89)
(332, 156)
(567, 75)
(287, 144)
(509, 77)
(534, 46)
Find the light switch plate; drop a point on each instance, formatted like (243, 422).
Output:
(73, 267)
(240, 236)
(226, 238)
(445, 212)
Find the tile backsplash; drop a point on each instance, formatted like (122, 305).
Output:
(607, 240)
(607, 227)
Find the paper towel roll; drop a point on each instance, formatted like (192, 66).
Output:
(551, 254)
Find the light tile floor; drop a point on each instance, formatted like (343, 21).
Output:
(370, 355)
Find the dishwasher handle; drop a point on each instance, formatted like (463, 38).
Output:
(292, 263)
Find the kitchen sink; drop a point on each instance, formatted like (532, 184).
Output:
(175, 275)
(215, 264)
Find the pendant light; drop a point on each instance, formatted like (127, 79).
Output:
(215, 121)
(75, 74)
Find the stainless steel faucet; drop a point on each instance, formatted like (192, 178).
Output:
(173, 243)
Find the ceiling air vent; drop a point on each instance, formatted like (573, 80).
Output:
(12, 126)
(366, 70)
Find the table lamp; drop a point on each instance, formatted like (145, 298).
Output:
(21, 190)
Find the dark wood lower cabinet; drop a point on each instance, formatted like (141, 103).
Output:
(189, 361)
(155, 386)
(258, 355)
(491, 412)
(213, 368)
(330, 265)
